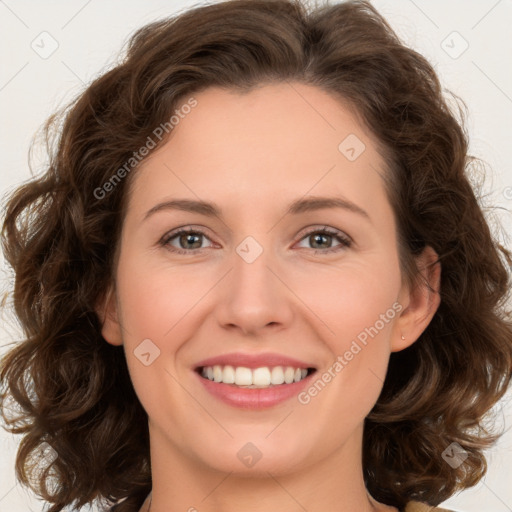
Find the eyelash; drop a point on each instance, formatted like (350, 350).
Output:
(345, 242)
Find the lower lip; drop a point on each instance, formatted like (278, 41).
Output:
(254, 398)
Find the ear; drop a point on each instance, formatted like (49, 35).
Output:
(420, 303)
(107, 312)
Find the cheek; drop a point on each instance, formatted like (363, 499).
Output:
(344, 392)
(157, 303)
(354, 300)
(156, 297)
(357, 308)
(160, 304)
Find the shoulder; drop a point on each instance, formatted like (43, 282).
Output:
(416, 506)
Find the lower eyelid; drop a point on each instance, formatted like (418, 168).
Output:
(165, 241)
(344, 241)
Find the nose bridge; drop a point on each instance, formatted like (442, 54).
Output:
(252, 296)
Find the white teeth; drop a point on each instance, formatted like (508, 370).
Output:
(289, 374)
(217, 373)
(261, 377)
(228, 374)
(243, 376)
(255, 378)
(277, 376)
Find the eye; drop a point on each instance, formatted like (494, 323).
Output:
(189, 240)
(323, 237)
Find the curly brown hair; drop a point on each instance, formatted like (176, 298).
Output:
(61, 232)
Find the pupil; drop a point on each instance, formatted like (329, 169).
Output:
(189, 238)
(317, 236)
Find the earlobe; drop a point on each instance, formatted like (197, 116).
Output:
(108, 317)
(422, 301)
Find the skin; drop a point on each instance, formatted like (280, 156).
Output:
(252, 155)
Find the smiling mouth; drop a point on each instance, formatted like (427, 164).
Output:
(254, 378)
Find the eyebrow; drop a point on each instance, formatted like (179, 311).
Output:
(308, 204)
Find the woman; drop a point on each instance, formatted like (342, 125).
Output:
(255, 368)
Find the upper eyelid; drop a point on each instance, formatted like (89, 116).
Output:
(304, 231)
(302, 234)
(184, 229)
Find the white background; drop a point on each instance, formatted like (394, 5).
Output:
(91, 33)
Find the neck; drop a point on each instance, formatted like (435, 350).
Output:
(335, 483)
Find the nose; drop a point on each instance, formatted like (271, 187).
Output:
(254, 297)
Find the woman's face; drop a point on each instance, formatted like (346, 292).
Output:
(260, 277)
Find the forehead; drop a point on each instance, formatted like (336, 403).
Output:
(276, 142)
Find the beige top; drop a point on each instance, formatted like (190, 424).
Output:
(416, 506)
(412, 506)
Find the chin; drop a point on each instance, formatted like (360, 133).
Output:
(255, 456)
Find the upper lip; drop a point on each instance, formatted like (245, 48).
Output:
(253, 360)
